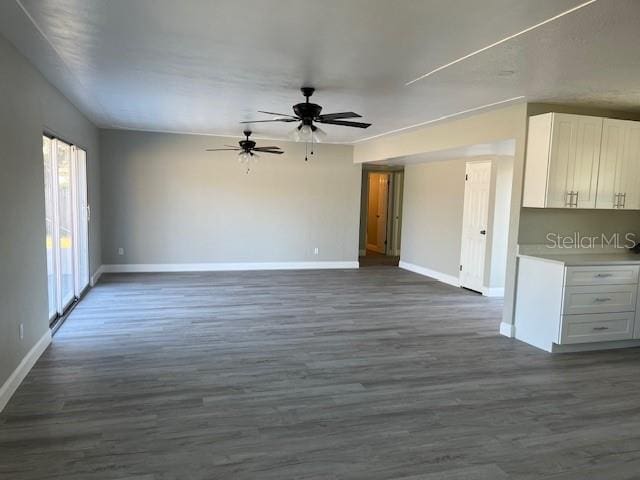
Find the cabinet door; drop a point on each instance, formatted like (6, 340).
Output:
(629, 176)
(574, 161)
(611, 160)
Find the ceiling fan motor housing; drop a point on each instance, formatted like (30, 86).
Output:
(247, 145)
(307, 112)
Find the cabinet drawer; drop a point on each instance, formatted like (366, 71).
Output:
(611, 275)
(599, 299)
(600, 327)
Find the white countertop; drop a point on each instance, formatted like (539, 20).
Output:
(586, 259)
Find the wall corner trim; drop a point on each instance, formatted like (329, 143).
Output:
(225, 266)
(96, 276)
(15, 379)
(427, 272)
(508, 330)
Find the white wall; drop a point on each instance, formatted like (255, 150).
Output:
(432, 215)
(168, 201)
(498, 234)
(29, 105)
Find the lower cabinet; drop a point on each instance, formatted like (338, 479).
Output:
(597, 327)
(570, 305)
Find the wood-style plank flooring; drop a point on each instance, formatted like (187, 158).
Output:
(368, 374)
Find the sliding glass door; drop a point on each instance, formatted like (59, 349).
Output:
(66, 223)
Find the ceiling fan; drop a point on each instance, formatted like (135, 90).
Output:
(247, 150)
(308, 114)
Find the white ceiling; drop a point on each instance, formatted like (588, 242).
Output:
(201, 66)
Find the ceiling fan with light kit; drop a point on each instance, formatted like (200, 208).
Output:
(248, 150)
(307, 114)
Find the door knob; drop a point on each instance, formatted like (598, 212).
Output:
(483, 232)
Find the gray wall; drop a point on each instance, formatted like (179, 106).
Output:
(432, 215)
(165, 200)
(29, 105)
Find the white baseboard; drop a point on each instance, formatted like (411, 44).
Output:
(493, 291)
(13, 382)
(96, 276)
(224, 266)
(442, 277)
(508, 330)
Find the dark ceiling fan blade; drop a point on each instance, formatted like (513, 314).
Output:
(345, 124)
(268, 148)
(278, 114)
(277, 152)
(337, 116)
(223, 149)
(260, 149)
(275, 120)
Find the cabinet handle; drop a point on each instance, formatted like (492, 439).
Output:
(572, 199)
(602, 299)
(600, 328)
(603, 275)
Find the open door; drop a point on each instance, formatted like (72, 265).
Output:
(474, 225)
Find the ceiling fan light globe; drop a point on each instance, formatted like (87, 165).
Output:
(294, 135)
(244, 157)
(306, 133)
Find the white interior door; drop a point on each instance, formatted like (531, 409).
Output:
(474, 224)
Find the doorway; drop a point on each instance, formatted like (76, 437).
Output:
(377, 210)
(381, 216)
(66, 220)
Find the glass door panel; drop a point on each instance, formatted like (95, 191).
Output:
(65, 223)
(49, 222)
(81, 224)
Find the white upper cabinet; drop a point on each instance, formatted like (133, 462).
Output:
(619, 178)
(563, 156)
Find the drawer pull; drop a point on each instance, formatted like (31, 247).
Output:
(602, 299)
(600, 328)
(603, 275)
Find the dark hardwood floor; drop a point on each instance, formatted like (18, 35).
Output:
(363, 374)
(375, 259)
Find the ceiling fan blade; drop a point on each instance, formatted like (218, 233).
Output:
(277, 152)
(275, 120)
(231, 146)
(345, 124)
(268, 148)
(278, 114)
(337, 116)
(223, 149)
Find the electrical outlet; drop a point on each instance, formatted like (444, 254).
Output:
(121, 251)
(21, 331)
(316, 251)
